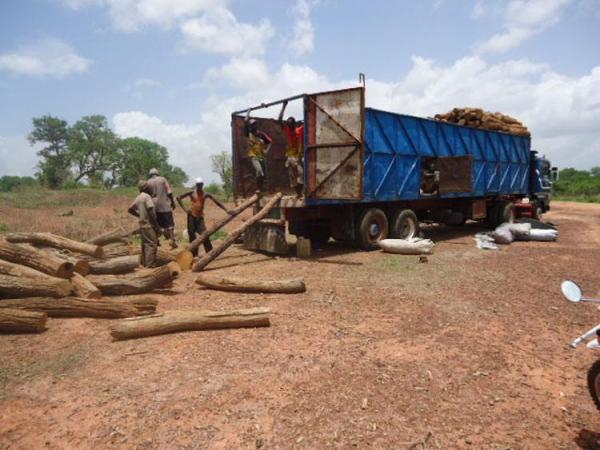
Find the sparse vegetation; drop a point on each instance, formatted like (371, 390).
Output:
(579, 185)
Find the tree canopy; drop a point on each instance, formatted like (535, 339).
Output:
(222, 166)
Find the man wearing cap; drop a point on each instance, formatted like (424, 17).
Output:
(162, 195)
(195, 214)
(143, 208)
(259, 144)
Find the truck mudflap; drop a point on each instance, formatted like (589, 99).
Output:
(267, 235)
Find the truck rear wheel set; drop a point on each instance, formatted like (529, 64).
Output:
(373, 226)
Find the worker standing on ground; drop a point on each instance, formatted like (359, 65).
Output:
(294, 132)
(259, 144)
(144, 209)
(195, 214)
(162, 195)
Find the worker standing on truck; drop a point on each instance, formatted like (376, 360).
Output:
(162, 195)
(294, 132)
(143, 208)
(195, 214)
(259, 144)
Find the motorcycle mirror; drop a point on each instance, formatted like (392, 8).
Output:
(571, 291)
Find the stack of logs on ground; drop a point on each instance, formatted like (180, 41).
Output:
(45, 275)
(478, 118)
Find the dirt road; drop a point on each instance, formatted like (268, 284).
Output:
(471, 347)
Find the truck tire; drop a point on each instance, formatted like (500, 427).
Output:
(372, 228)
(506, 212)
(538, 211)
(404, 224)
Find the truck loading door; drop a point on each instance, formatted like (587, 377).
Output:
(334, 151)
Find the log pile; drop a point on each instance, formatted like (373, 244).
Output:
(478, 118)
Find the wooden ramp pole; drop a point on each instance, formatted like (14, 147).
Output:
(184, 258)
(291, 286)
(19, 321)
(231, 238)
(84, 307)
(59, 242)
(175, 321)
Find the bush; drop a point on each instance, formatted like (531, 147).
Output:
(11, 183)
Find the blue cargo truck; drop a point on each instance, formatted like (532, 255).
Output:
(371, 174)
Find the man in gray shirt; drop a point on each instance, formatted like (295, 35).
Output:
(162, 195)
(143, 208)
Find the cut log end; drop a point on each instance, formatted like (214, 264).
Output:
(185, 259)
(65, 270)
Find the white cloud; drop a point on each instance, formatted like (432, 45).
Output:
(240, 73)
(144, 83)
(304, 34)
(131, 15)
(218, 31)
(45, 58)
(522, 20)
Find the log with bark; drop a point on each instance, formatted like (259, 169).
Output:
(55, 241)
(231, 238)
(115, 266)
(291, 286)
(84, 307)
(138, 282)
(80, 265)
(185, 258)
(33, 287)
(18, 270)
(84, 288)
(175, 321)
(119, 234)
(478, 118)
(19, 321)
(29, 256)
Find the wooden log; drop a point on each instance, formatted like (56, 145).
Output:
(53, 240)
(175, 321)
(84, 288)
(19, 321)
(210, 256)
(80, 265)
(33, 287)
(291, 286)
(119, 234)
(84, 307)
(29, 256)
(17, 270)
(115, 266)
(185, 258)
(138, 282)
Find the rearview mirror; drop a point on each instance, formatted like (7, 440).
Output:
(571, 291)
(554, 174)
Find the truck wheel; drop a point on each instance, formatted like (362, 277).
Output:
(538, 211)
(405, 224)
(372, 228)
(506, 212)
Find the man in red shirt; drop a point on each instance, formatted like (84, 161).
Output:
(294, 132)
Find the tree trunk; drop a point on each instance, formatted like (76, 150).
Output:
(59, 242)
(119, 234)
(29, 256)
(115, 251)
(84, 307)
(84, 288)
(174, 321)
(291, 286)
(185, 258)
(122, 264)
(33, 287)
(19, 321)
(18, 270)
(81, 266)
(210, 256)
(138, 282)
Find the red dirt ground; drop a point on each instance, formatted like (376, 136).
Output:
(381, 350)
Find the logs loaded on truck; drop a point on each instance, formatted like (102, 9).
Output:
(372, 174)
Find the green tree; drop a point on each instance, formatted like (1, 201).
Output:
(93, 150)
(221, 165)
(138, 156)
(9, 183)
(595, 171)
(55, 161)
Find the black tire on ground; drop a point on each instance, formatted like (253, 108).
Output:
(593, 382)
(506, 212)
(404, 224)
(372, 226)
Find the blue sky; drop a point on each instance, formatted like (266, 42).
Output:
(173, 70)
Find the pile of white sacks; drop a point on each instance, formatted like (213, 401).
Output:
(509, 232)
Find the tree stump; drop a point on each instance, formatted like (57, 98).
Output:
(19, 321)
(175, 321)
